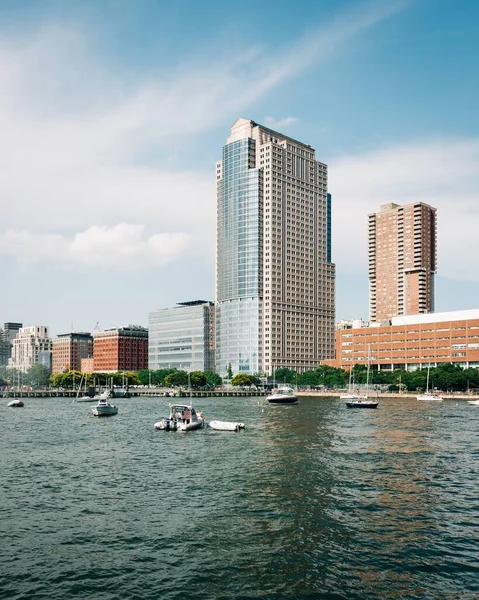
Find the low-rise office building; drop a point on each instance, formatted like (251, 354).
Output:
(120, 349)
(412, 342)
(183, 337)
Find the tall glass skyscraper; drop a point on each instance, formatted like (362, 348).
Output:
(274, 278)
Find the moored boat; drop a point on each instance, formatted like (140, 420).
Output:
(362, 403)
(104, 409)
(283, 395)
(226, 425)
(182, 417)
(16, 403)
(473, 402)
(429, 396)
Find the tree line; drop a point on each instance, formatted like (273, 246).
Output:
(446, 376)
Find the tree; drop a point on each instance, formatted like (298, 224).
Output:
(197, 379)
(177, 379)
(284, 375)
(213, 379)
(37, 376)
(229, 371)
(242, 379)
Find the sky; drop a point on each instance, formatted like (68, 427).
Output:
(114, 113)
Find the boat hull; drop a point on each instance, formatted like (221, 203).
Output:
(361, 404)
(16, 404)
(473, 402)
(429, 398)
(226, 425)
(282, 399)
(104, 411)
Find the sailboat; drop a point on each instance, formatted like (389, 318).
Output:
(350, 395)
(363, 401)
(85, 397)
(429, 396)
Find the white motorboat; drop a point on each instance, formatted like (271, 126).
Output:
(473, 402)
(226, 425)
(283, 395)
(429, 396)
(183, 417)
(16, 403)
(104, 409)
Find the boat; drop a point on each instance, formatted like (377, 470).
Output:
(283, 395)
(16, 403)
(104, 409)
(182, 417)
(473, 402)
(363, 400)
(105, 395)
(362, 403)
(429, 396)
(226, 425)
(350, 395)
(85, 397)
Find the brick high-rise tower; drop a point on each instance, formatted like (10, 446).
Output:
(402, 260)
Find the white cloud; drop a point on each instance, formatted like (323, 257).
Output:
(279, 123)
(74, 138)
(121, 246)
(442, 173)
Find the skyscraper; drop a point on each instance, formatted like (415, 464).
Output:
(402, 260)
(274, 278)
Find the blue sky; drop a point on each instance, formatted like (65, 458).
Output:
(113, 114)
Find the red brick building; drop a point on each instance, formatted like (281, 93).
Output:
(121, 349)
(412, 342)
(68, 350)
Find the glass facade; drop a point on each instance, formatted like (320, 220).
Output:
(181, 338)
(238, 265)
(239, 249)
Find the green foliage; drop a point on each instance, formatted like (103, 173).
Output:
(284, 375)
(213, 379)
(37, 376)
(197, 379)
(229, 371)
(243, 379)
(176, 379)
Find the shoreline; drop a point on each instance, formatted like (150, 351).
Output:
(386, 395)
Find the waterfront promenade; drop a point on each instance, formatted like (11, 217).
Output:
(218, 393)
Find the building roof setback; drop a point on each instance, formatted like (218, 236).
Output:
(195, 303)
(453, 315)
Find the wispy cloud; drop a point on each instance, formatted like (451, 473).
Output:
(443, 173)
(74, 137)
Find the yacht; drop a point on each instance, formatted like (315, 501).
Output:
(283, 395)
(104, 408)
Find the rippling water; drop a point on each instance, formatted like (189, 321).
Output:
(309, 501)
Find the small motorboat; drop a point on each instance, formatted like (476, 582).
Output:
(362, 403)
(283, 395)
(104, 409)
(183, 417)
(16, 403)
(226, 425)
(473, 402)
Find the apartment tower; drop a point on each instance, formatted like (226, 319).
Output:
(402, 260)
(274, 279)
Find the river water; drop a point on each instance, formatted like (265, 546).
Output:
(309, 501)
